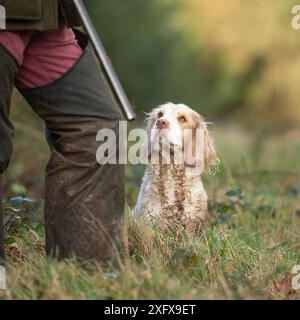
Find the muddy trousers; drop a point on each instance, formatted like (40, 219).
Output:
(84, 199)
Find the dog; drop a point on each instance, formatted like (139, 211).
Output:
(172, 192)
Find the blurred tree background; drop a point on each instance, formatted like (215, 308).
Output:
(227, 59)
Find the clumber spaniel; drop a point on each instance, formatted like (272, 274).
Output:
(179, 149)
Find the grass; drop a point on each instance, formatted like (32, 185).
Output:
(247, 251)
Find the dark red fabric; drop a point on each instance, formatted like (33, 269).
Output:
(43, 57)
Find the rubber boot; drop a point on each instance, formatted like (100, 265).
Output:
(8, 69)
(2, 249)
(84, 200)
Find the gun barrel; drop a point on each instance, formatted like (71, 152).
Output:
(104, 59)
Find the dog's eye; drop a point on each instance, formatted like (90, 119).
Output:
(160, 115)
(182, 119)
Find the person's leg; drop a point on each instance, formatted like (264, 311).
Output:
(84, 200)
(12, 46)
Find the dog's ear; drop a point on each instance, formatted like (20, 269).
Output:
(151, 118)
(193, 142)
(211, 160)
(200, 151)
(146, 149)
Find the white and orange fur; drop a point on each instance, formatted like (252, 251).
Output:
(169, 194)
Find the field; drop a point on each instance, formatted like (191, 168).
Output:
(248, 250)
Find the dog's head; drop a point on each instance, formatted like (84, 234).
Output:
(182, 129)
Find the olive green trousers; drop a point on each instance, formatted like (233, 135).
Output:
(84, 200)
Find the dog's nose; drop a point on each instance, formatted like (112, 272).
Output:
(162, 124)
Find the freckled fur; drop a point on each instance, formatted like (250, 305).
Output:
(169, 195)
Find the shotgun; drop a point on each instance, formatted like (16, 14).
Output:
(104, 60)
